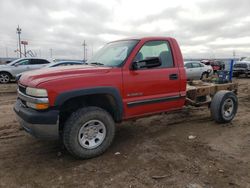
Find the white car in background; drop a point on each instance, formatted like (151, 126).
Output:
(196, 70)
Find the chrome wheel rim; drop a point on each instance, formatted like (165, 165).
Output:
(227, 108)
(92, 134)
(4, 78)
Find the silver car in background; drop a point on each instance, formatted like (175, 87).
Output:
(10, 70)
(196, 70)
(57, 64)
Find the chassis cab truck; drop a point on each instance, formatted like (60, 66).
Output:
(126, 79)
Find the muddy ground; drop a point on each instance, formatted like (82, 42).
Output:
(154, 152)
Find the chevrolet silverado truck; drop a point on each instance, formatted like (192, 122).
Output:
(126, 79)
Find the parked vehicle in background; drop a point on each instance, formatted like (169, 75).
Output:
(57, 64)
(216, 64)
(64, 63)
(242, 58)
(10, 70)
(241, 67)
(196, 70)
(245, 59)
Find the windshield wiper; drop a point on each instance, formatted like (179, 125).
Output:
(96, 63)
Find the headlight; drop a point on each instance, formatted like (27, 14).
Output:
(36, 92)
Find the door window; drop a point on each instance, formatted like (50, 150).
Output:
(39, 62)
(196, 65)
(155, 49)
(65, 64)
(188, 65)
(23, 62)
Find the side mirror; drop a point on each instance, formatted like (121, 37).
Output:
(147, 63)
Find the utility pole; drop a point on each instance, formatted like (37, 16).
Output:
(84, 51)
(18, 30)
(24, 47)
(234, 54)
(24, 50)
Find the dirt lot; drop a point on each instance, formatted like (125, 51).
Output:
(154, 152)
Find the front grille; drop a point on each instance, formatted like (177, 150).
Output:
(22, 88)
(240, 65)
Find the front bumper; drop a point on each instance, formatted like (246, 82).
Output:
(40, 124)
(241, 71)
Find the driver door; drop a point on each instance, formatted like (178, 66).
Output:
(152, 90)
(21, 66)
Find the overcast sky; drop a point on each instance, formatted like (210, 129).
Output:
(203, 28)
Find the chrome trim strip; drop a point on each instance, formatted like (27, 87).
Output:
(21, 85)
(30, 99)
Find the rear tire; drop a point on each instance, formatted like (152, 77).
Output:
(236, 75)
(224, 106)
(5, 77)
(88, 132)
(204, 75)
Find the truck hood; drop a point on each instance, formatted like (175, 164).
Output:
(246, 62)
(34, 78)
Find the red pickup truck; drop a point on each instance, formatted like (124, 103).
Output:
(126, 79)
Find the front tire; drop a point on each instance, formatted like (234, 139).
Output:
(5, 78)
(88, 132)
(224, 106)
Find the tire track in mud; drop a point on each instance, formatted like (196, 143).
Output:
(8, 129)
(8, 88)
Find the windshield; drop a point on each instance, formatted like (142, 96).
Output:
(246, 59)
(13, 62)
(113, 54)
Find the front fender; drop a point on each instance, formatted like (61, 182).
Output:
(7, 70)
(65, 96)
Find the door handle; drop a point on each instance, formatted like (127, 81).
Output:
(173, 76)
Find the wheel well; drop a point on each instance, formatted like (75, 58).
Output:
(11, 76)
(104, 101)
